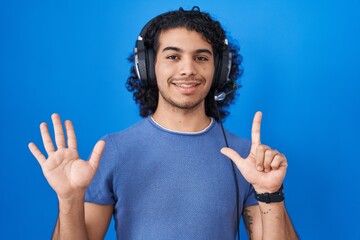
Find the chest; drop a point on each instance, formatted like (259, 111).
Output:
(194, 175)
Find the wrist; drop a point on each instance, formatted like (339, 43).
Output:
(70, 202)
(261, 189)
(271, 197)
(72, 196)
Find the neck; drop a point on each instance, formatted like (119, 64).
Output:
(182, 120)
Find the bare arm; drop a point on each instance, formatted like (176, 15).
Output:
(71, 219)
(268, 221)
(97, 219)
(69, 176)
(94, 222)
(252, 218)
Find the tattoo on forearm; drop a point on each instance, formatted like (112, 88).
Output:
(265, 212)
(248, 220)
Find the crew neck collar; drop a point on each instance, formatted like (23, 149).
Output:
(152, 120)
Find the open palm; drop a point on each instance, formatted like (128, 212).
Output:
(66, 173)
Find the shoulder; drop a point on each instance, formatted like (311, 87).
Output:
(125, 139)
(237, 139)
(239, 144)
(119, 144)
(129, 133)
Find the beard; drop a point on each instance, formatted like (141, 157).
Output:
(181, 104)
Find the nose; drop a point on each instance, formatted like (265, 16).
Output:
(187, 67)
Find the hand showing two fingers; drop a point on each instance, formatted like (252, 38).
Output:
(264, 168)
(66, 173)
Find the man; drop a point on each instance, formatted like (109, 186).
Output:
(165, 178)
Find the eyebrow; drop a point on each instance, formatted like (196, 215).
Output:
(176, 49)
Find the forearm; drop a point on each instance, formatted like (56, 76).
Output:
(71, 220)
(276, 223)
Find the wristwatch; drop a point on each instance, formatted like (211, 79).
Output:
(271, 197)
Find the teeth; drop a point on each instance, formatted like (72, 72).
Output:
(185, 85)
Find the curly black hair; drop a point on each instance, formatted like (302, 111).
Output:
(193, 20)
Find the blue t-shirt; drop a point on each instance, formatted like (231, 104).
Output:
(170, 185)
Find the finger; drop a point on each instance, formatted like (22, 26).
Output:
(58, 130)
(96, 154)
(255, 131)
(279, 161)
(47, 141)
(70, 132)
(269, 158)
(260, 157)
(36, 153)
(233, 155)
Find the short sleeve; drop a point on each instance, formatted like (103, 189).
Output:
(250, 199)
(100, 190)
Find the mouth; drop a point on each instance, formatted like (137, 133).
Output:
(186, 85)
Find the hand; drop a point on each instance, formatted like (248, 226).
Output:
(66, 173)
(264, 168)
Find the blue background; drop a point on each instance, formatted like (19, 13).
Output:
(301, 61)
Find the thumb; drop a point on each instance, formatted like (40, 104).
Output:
(96, 154)
(233, 155)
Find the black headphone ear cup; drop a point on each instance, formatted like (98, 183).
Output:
(140, 62)
(151, 67)
(223, 69)
(145, 59)
(217, 72)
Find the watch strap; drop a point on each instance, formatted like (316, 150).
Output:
(271, 197)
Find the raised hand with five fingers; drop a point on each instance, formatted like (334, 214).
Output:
(66, 173)
(264, 168)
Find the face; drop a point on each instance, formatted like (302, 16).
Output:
(184, 68)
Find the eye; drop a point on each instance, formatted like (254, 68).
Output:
(202, 58)
(172, 57)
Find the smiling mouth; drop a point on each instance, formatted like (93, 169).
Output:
(186, 85)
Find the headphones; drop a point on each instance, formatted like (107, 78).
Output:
(145, 62)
